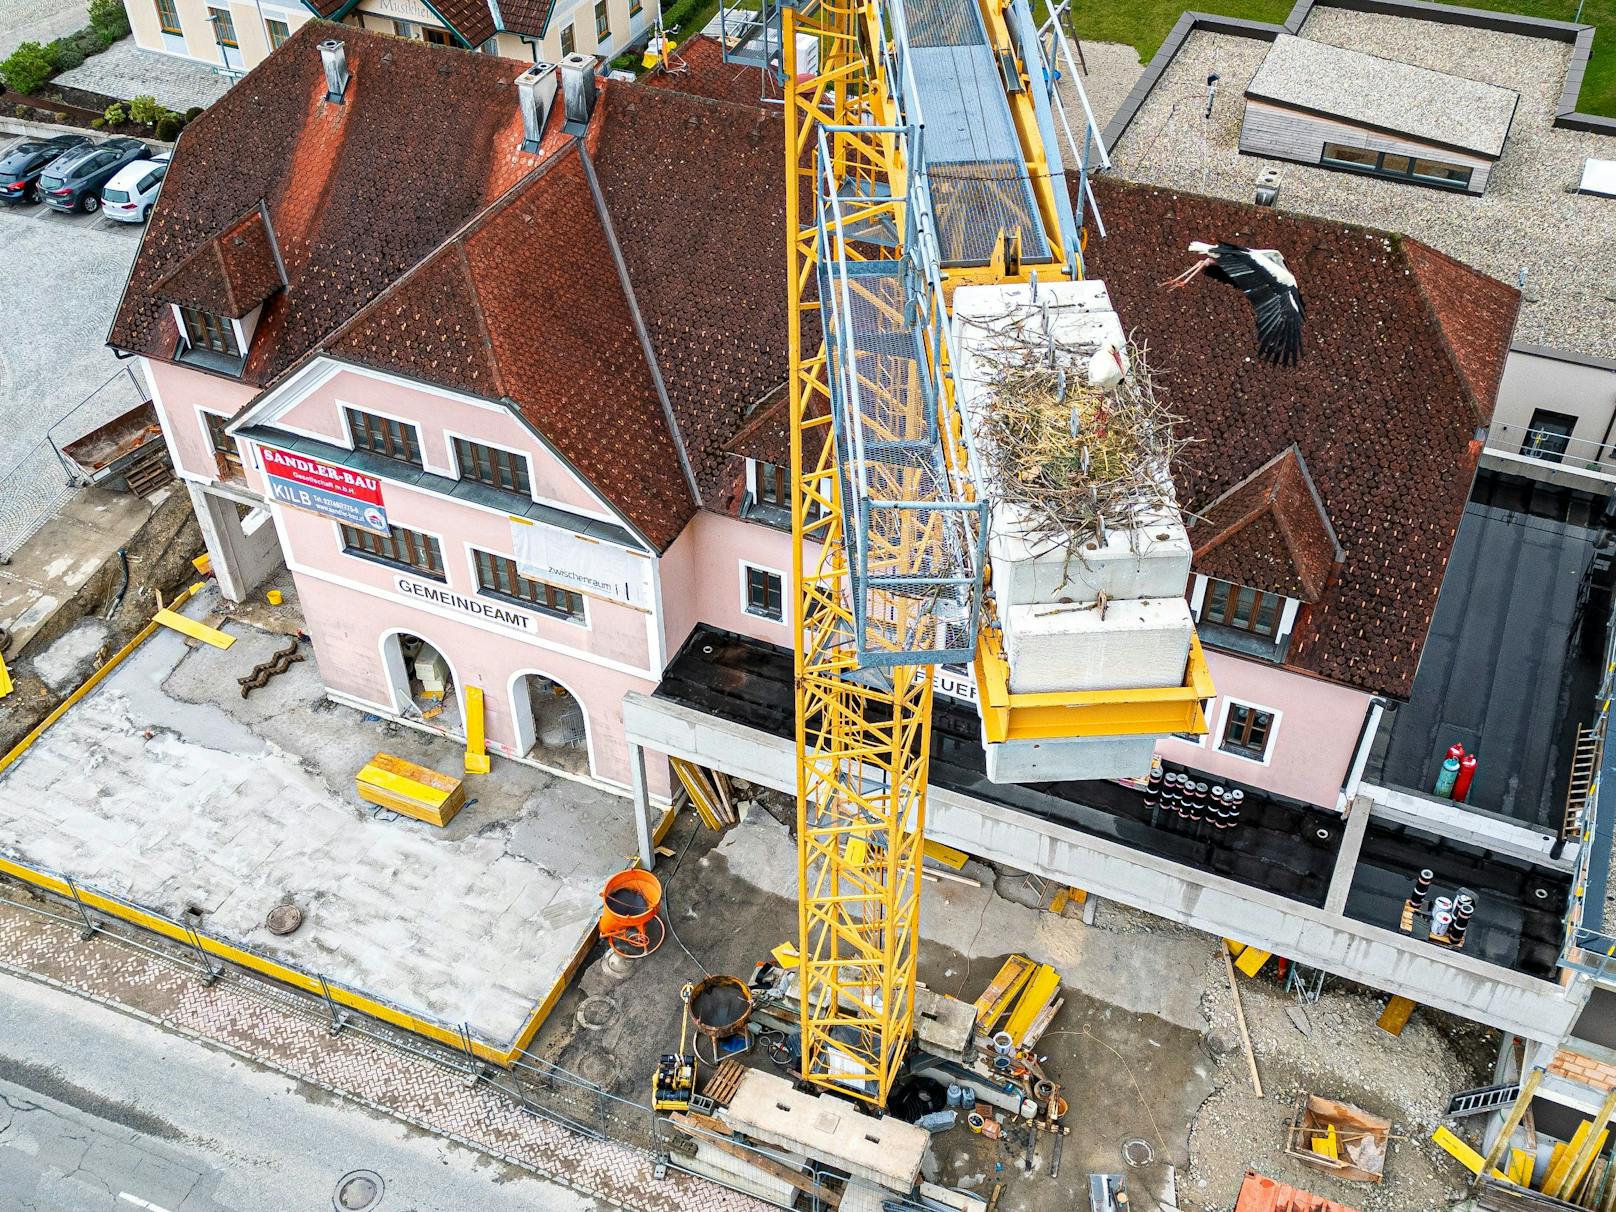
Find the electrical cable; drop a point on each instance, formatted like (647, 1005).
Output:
(667, 885)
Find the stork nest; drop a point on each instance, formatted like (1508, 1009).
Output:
(1073, 483)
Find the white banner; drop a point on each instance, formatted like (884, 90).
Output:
(561, 557)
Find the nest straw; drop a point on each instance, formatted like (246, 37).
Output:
(1075, 462)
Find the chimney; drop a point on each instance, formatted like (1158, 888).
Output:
(1268, 187)
(578, 86)
(536, 94)
(334, 55)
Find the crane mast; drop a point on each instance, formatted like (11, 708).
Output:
(886, 216)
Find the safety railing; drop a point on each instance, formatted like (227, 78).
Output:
(1061, 68)
(1586, 948)
(36, 484)
(1542, 454)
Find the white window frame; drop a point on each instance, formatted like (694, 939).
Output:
(785, 602)
(343, 408)
(1274, 714)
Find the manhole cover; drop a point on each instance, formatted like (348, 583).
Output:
(283, 919)
(598, 1068)
(358, 1191)
(1137, 1152)
(596, 1013)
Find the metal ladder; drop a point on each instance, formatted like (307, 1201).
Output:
(1584, 762)
(1485, 1098)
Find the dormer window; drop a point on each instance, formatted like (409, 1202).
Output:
(204, 330)
(1242, 608)
(771, 486)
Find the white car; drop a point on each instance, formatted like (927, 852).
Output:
(132, 192)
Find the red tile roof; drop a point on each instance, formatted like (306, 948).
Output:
(357, 193)
(1394, 378)
(1270, 532)
(471, 19)
(230, 274)
(528, 17)
(698, 68)
(549, 330)
(693, 190)
(626, 294)
(1260, 1194)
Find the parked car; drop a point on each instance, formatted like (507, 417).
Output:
(20, 169)
(74, 181)
(131, 193)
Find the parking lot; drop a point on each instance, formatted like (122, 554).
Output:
(60, 278)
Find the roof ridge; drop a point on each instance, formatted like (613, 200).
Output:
(626, 284)
(1483, 415)
(475, 298)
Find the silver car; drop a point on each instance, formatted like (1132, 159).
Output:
(132, 192)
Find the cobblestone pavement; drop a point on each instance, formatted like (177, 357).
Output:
(280, 1032)
(124, 70)
(60, 278)
(38, 21)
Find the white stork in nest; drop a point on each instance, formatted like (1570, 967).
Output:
(1260, 275)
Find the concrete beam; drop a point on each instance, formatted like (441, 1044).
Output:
(1482, 830)
(1346, 859)
(1385, 959)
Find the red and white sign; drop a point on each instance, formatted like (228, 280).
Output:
(337, 492)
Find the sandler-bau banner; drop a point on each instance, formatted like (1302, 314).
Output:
(337, 492)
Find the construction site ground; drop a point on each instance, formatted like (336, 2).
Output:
(166, 787)
(1145, 1046)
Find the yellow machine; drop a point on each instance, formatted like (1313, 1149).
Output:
(674, 1081)
(888, 530)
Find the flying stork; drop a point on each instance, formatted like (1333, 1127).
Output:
(1259, 274)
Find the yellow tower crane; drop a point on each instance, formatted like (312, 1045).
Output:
(921, 153)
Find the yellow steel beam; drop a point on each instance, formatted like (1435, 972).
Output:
(477, 760)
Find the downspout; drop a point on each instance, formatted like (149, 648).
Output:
(1360, 752)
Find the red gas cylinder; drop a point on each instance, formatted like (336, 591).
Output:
(1456, 751)
(1467, 775)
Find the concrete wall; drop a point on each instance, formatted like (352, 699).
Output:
(1582, 387)
(350, 630)
(1271, 129)
(1315, 735)
(196, 39)
(181, 397)
(1384, 959)
(701, 578)
(241, 561)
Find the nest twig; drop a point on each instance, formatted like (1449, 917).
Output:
(1075, 462)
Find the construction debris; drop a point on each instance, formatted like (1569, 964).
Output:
(1240, 1021)
(1338, 1138)
(283, 660)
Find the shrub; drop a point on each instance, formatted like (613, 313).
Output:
(144, 109)
(109, 16)
(98, 123)
(192, 114)
(115, 114)
(168, 127)
(88, 41)
(65, 55)
(27, 68)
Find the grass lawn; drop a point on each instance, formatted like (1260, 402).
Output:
(1143, 24)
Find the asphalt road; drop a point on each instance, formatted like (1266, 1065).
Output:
(101, 1111)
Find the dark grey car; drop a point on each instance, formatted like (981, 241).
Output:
(21, 166)
(73, 181)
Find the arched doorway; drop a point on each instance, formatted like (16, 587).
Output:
(423, 682)
(551, 726)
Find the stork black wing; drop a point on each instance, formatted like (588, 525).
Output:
(1279, 307)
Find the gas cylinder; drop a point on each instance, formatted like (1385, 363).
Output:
(1467, 775)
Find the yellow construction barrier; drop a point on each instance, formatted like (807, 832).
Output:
(477, 760)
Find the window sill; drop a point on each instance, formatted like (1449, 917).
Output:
(1243, 643)
(424, 573)
(208, 359)
(765, 616)
(1256, 759)
(577, 620)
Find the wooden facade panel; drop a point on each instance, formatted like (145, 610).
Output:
(1268, 129)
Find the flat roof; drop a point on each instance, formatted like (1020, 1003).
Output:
(1498, 674)
(1386, 94)
(1525, 220)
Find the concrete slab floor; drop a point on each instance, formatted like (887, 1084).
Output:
(166, 786)
(1144, 1047)
(53, 565)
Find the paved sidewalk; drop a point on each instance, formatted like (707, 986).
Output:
(124, 70)
(255, 1023)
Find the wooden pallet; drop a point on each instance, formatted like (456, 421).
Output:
(148, 475)
(1584, 764)
(725, 1080)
